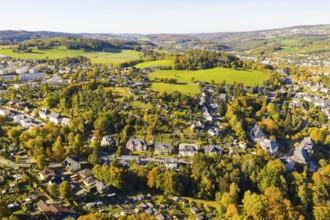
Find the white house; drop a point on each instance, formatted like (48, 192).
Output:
(269, 145)
(188, 150)
(106, 141)
(23, 69)
(43, 113)
(54, 117)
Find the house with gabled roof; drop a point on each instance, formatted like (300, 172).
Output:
(65, 121)
(47, 173)
(43, 113)
(256, 134)
(303, 152)
(136, 145)
(107, 140)
(85, 173)
(187, 150)
(212, 149)
(171, 163)
(269, 145)
(54, 117)
(71, 164)
(163, 148)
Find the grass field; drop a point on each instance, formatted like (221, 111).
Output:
(154, 63)
(109, 56)
(249, 78)
(188, 88)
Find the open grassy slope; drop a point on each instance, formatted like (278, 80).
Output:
(248, 77)
(154, 63)
(109, 56)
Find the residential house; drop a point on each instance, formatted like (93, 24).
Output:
(89, 181)
(65, 121)
(4, 111)
(212, 149)
(55, 211)
(125, 160)
(194, 210)
(214, 131)
(47, 173)
(54, 117)
(269, 145)
(171, 163)
(23, 69)
(71, 164)
(303, 152)
(136, 145)
(256, 134)
(43, 113)
(188, 150)
(100, 187)
(85, 173)
(106, 141)
(163, 148)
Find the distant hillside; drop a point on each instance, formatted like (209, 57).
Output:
(19, 36)
(299, 39)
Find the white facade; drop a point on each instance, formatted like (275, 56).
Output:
(23, 69)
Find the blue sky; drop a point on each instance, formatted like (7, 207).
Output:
(169, 16)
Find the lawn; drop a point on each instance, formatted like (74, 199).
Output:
(247, 77)
(187, 88)
(108, 56)
(154, 63)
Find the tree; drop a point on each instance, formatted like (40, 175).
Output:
(52, 189)
(254, 205)
(232, 212)
(66, 190)
(58, 150)
(93, 158)
(4, 210)
(41, 161)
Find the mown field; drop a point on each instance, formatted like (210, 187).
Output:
(247, 77)
(185, 88)
(154, 63)
(109, 56)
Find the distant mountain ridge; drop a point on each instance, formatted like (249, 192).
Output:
(20, 35)
(219, 37)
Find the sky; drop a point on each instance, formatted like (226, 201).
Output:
(153, 16)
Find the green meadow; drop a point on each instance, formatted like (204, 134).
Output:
(108, 56)
(247, 77)
(185, 88)
(155, 63)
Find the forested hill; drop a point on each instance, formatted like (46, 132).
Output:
(19, 36)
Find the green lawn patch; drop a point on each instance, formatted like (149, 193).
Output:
(108, 56)
(247, 77)
(149, 64)
(185, 88)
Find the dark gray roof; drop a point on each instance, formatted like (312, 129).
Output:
(212, 149)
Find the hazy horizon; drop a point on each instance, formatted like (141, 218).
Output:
(170, 17)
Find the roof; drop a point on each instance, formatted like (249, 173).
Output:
(47, 171)
(85, 172)
(159, 145)
(42, 205)
(256, 132)
(89, 180)
(303, 152)
(54, 115)
(210, 149)
(188, 147)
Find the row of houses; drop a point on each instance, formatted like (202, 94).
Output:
(54, 117)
